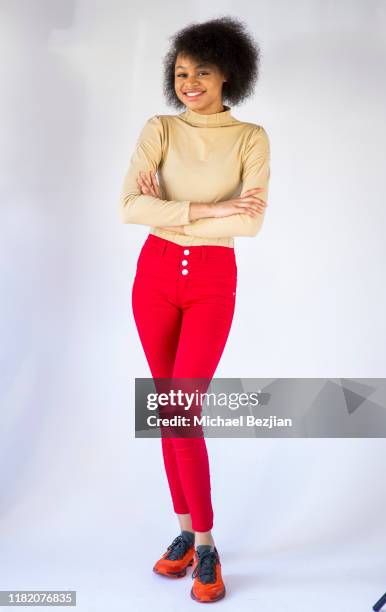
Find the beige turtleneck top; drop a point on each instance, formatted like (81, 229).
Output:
(198, 158)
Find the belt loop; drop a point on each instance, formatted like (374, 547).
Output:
(203, 252)
(163, 248)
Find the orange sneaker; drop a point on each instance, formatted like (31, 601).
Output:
(208, 584)
(178, 556)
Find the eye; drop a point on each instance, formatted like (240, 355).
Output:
(183, 74)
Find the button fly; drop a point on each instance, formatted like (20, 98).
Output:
(184, 271)
(186, 251)
(184, 262)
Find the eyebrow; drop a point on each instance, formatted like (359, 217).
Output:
(198, 66)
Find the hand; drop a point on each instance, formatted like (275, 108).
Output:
(245, 203)
(148, 184)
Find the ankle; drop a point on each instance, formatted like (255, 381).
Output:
(204, 541)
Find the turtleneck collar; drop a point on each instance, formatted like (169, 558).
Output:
(211, 120)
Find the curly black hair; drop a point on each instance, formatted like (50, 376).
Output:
(224, 42)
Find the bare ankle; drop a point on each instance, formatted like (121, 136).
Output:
(204, 538)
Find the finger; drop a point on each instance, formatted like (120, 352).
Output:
(143, 186)
(145, 178)
(140, 184)
(154, 182)
(149, 179)
(150, 185)
(250, 191)
(249, 208)
(258, 203)
(248, 204)
(252, 199)
(250, 213)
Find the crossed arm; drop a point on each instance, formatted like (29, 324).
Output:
(141, 201)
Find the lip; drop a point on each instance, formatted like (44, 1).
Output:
(185, 93)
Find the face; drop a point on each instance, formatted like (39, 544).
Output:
(204, 80)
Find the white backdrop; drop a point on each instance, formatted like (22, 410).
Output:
(84, 505)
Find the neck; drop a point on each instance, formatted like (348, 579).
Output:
(209, 110)
(220, 118)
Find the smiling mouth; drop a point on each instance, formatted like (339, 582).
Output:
(193, 95)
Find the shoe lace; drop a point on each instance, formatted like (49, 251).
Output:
(206, 567)
(177, 548)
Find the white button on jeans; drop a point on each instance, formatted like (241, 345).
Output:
(186, 251)
(184, 271)
(184, 262)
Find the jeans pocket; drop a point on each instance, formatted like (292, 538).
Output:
(149, 257)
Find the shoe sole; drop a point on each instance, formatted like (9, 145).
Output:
(207, 600)
(179, 574)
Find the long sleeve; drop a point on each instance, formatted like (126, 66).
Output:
(255, 173)
(146, 209)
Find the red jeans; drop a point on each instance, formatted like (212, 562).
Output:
(183, 302)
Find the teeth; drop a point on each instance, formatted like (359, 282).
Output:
(194, 94)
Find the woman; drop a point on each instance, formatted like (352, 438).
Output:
(213, 174)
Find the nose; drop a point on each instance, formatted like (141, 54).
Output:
(192, 82)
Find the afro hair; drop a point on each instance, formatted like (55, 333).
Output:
(224, 42)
